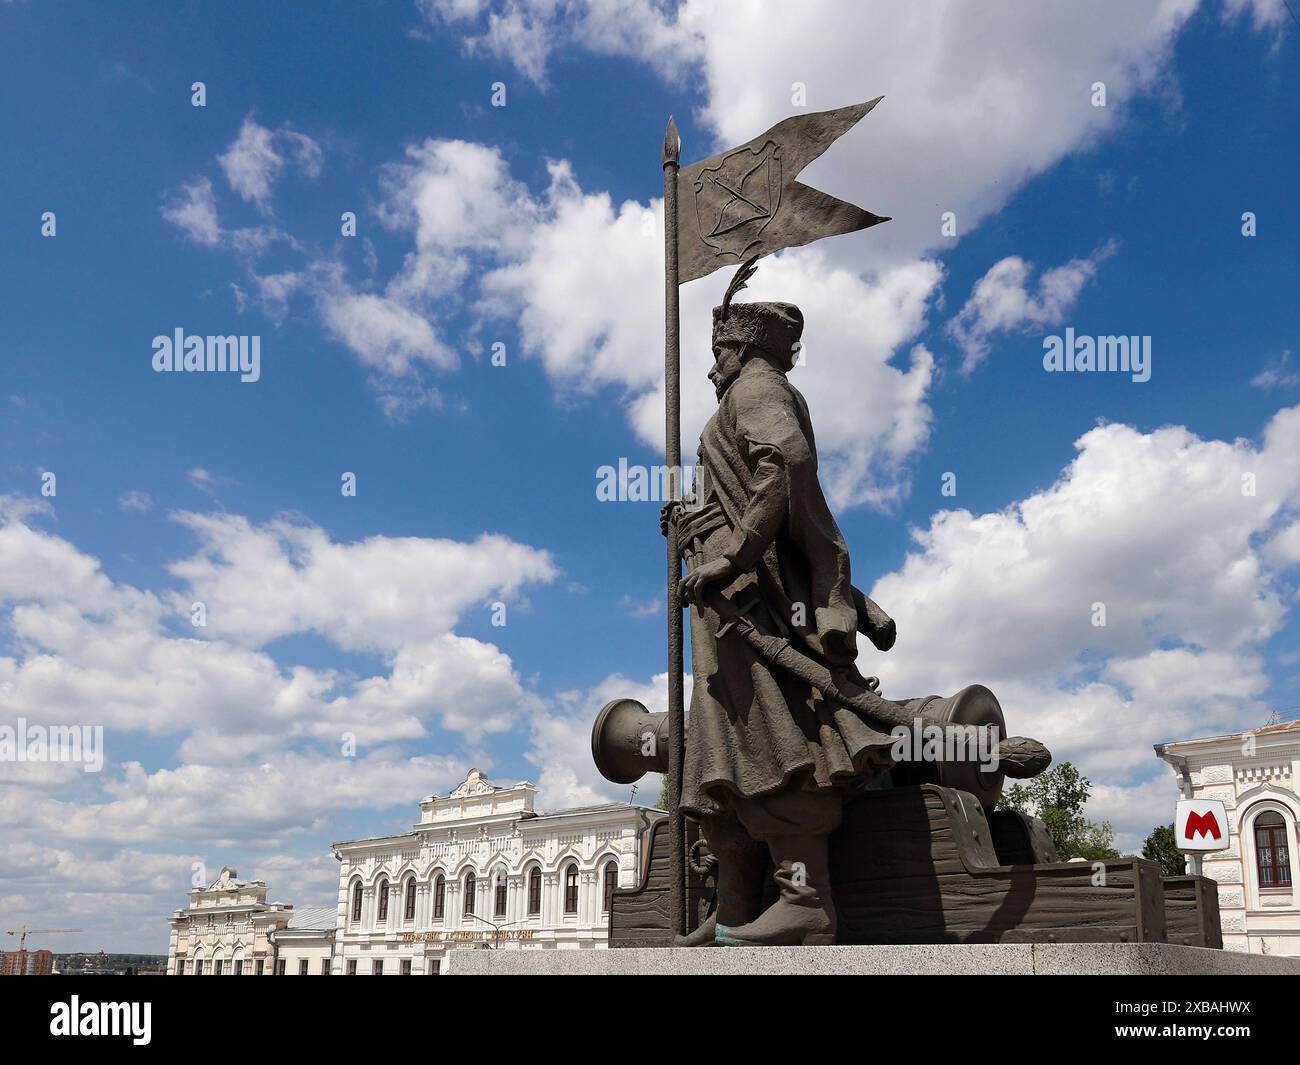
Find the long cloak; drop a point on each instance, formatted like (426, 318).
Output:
(754, 730)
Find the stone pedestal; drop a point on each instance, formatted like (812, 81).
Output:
(951, 959)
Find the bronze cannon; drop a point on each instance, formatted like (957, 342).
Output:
(954, 742)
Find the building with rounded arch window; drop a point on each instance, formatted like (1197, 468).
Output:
(1254, 773)
(229, 929)
(480, 866)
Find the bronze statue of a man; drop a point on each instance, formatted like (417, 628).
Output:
(768, 761)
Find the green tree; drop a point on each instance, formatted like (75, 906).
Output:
(1057, 798)
(1161, 847)
(1094, 842)
(662, 804)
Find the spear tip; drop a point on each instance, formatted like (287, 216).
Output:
(672, 143)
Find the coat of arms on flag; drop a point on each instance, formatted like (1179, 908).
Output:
(745, 202)
(737, 198)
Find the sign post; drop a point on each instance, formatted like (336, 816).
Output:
(1201, 825)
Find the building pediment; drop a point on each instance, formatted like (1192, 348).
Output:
(474, 784)
(478, 800)
(227, 880)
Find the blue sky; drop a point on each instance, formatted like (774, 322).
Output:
(536, 225)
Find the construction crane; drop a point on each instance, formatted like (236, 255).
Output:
(22, 942)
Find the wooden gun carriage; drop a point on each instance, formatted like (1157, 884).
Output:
(921, 862)
(926, 864)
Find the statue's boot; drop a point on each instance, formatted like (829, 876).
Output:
(741, 864)
(704, 936)
(804, 915)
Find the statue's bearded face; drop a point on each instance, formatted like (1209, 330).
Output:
(726, 366)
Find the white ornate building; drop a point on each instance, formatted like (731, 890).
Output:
(229, 929)
(481, 865)
(1254, 773)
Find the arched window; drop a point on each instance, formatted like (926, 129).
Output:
(356, 901)
(535, 892)
(410, 899)
(499, 894)
(1272, 855)
(571, 889)
(470, 882)
(611, 882)
(382, 892)
(439, 897)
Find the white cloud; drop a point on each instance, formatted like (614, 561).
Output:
(587, 288)
(457, 198)
(276, 290)
(1001, 301)
(89, 650)
(1264, 14)
(122, 893)
(978, 99)
(642, 608)
(225, 806)
(1153, 526)
(136, 500)
(258, 156)
(76, 861)
(261, 582)
(194, 209)
(461, 208)
(382, 333)
(526, 33)
(400, 598)
(252, 164)
(1134, 811)
(209, 483)
(1279, 374)
(1283, 550)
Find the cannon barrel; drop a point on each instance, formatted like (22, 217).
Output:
(971, 711)
(628, 741)
(958, 741)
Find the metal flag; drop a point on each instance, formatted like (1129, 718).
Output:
(745, 202)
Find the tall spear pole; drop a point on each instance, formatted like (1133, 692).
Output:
(673, 460)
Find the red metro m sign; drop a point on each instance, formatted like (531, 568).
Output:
(1201, 825)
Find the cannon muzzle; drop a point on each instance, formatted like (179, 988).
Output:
(628, 741)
